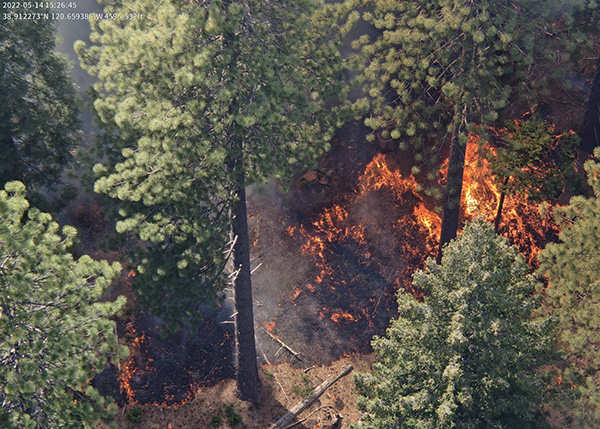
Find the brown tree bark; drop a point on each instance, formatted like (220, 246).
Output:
(454, 182)
(248, 383)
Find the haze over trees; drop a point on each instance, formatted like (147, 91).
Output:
(39, 113)
(468, 355)
(54, 334)
(199, 99)
(205, 100)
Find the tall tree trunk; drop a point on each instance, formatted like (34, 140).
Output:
(500, 206)
(454, 182)
(248, 383)
(590, 129)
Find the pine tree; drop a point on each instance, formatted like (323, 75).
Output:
(208, 97)
(468, 355)
(39, 124)
(54, 335)
(573, 297)
(438, 69)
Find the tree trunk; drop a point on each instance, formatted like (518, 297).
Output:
(248, 383)
(454, 183)
(500, 205)
(590, 129)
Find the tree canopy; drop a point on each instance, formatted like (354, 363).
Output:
(573, 295)
(39, 114)
(532, 160)
(208, 97)
(181, 84)
(436, 66)
(54, 334)
(468, 355)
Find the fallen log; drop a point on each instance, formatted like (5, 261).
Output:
(284, 345)
(305, 403)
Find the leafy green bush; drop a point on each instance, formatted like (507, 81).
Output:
(233, 417)
(215, 421)
(134, 415)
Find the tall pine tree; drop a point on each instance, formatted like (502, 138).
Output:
(208, 97)
(39, 124)
(573, 297)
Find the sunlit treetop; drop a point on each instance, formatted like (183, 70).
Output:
(469, 354)
(179, 88)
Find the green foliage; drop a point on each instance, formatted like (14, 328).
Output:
(533, 160)
(469, 354)
(54, 335)
(215, 421)
(134, 415)
(441, 67)
(573, 297)
(233, 417)
(179, 92)
(573, 32)
(39, 125)
(304, 390)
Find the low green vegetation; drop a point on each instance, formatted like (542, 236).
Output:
(233, 417)
(215, 421)
(305, 389)
(134, 415)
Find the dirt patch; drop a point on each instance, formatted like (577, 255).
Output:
(282, 388)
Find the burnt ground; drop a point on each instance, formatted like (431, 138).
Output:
(329, 301)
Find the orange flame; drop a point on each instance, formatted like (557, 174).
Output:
(269, 326)
(378, 175)
(343, 316)
(129, 369)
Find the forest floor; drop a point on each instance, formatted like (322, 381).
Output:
(283, 386)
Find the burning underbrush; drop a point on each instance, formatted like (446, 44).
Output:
(325, 275)
(169, 369)
(365, 245)
(524, 223)
(362, 251)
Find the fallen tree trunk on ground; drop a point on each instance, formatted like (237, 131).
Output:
(305, 403)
